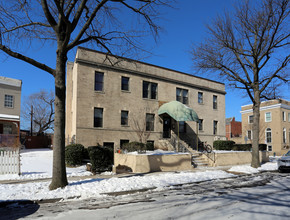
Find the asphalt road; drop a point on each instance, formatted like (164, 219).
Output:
(257, 196)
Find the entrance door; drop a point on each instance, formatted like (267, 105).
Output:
(166, 127)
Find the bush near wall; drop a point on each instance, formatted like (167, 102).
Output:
(230, 145)
(223, 145)
(138, 146)
(101, 158)
(74, 154)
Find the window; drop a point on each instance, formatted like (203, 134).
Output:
(268, 135)
(215, 127)
(251, 119)
(200, 125)
(109, 145)
(284, 116)
(284, 135)
(8, 101)
(98, 117)
(125, 83)
(7, 129)
(200, 97)
(182, 127)
(269, 148)
(214, 102)
(268, 117)
(122, 142)
(99, 81)
(289, 117)
(249, 132)
(149, 122)
(182, 95)
(124, 118)
(149, 90)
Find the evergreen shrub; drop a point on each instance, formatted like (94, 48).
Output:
(101, 158)
(74, 154)
(223, 145)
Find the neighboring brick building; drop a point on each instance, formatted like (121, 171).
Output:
(107, 99)
(233, 128)
(10, 97)
(274, 125)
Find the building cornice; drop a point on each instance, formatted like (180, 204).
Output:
(148, 75)
(264, 108)
(149, 64)
(9, 117)
(10, 82)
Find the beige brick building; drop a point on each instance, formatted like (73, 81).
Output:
(113, 100)
(10, 98)
(274, 125)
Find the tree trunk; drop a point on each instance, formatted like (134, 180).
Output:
(59, 178)
(256, 130)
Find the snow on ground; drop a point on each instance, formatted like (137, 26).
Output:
(37, 164)
(95, 187)
(270, 166)
(156, 152)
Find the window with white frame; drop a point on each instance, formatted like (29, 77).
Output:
(268, 135)
(268, 117)
(269, 148)
(251, 119)
(8, 101)
(249, 132)
(284, 116)
(288, 116)
(284, 136)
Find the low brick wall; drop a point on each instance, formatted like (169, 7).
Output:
(234, 158)
(142, 163)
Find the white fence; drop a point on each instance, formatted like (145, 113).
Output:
(10, 162)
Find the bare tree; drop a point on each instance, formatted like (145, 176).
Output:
(70, 23)
(250, 49)
(42, 104)
(140, 128)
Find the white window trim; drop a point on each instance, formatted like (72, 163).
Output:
(251, 135)
(284, 132)
(249, 119)
(8, 101)
(284, 116)
(266, 116)
(266, 136)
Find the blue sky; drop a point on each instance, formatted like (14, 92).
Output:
(183, 25)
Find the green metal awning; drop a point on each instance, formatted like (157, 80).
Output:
(178, 111)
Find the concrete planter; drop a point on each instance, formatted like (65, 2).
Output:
(142, 163)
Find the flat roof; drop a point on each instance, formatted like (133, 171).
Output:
(10, 81)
